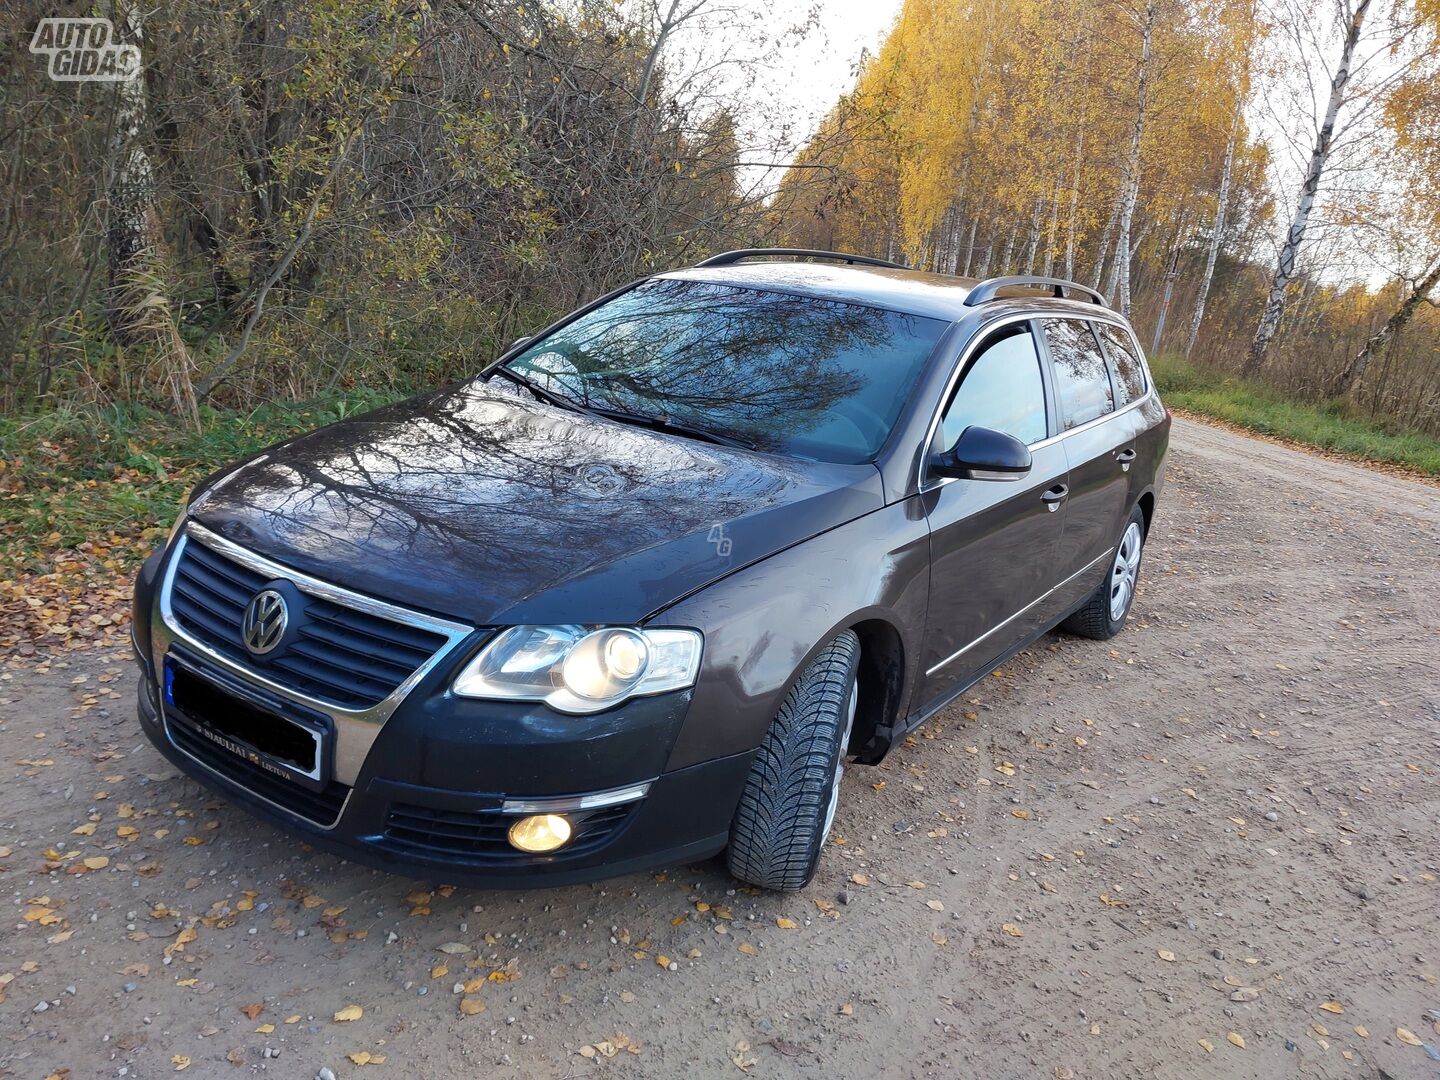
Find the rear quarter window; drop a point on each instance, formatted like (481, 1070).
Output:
(1082, 380)
(1129, 371)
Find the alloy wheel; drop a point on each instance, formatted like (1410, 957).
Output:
(840, 763)
(1125, 571)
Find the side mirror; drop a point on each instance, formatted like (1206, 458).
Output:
(517, 343)
(983, 454)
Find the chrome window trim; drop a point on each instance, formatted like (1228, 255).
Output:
(355, 729)
(969, 351)
(1007, 621)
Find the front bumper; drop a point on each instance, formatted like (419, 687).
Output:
(423, 790)
(456, 836)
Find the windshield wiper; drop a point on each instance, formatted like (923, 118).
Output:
(540, 392)
(664, 423)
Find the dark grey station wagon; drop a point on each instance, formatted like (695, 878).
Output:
(637, 592)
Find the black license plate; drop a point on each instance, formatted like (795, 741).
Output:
(290, 748)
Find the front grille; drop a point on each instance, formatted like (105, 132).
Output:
(480, 835)
(340, 655)
(321, 807)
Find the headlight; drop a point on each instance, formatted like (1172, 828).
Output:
(576, 669)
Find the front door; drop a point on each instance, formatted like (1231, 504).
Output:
(992, 543)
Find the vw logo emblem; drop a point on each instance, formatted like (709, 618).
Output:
(264, 623)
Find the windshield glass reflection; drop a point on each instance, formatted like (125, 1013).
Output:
(778, 371)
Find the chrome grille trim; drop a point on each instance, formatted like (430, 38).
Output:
(355, 729)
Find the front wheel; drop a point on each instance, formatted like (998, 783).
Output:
(788, 804)
(1104, 613)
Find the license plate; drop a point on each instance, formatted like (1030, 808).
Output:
(291, 748)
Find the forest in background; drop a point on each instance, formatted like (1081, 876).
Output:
(309, 197)
(1256, 183)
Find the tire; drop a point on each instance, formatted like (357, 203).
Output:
(788, 804)
(1104, 614)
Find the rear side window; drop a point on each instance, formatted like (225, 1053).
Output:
(1082, 382)
(1129, 372)
(1002, 390)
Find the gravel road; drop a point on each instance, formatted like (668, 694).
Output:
(1207, 848)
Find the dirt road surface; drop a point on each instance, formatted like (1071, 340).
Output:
(1208, 848)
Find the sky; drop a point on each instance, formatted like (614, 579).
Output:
(806, 73)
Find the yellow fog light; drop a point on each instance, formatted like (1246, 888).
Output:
(540, 832)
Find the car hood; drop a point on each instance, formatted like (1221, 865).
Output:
(484, 504)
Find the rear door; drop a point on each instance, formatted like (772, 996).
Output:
(992, 543)
(1098, 451)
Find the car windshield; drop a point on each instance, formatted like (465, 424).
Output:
(777, 371)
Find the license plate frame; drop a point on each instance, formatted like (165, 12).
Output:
(272, 723)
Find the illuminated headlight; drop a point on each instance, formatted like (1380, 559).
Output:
(575, 669)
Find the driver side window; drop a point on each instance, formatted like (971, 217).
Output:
(1002, 389)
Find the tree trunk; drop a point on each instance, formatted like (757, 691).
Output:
(1290, 249)
(1217, 227)
(1350, 379)
(1049, 265)
(1032, 246)
(1132, 160)
(1171, 273)
(1106, 236)
(970, 246)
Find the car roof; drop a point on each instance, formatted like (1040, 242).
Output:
(915, 292)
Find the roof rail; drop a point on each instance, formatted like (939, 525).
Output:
(729, 258)
(987, 289)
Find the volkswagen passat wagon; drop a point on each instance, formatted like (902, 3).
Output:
(637, 592)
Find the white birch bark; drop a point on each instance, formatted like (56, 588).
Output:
(1285, 264)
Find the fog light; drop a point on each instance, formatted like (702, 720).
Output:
(540, 832)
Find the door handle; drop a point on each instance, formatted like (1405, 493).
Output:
(1126, 456)
(1054, 496)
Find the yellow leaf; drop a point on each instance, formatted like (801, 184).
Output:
(1011, 929)
(362, 1058)
(180, 1061)
(701, 906)
(1207, 1046)
(97, 862)
(1023, 815)
(1362, 1031)
(1166, 955)
(471, 1006)
(935, 905)
(662, 961)
(1332, 1007)
(439, 971)
(88, 829)
(786, 924)
(748, 949)
(348, 1013)
(1234, 1037)
(1407, 1036)
(264, 1029)
(859, 879)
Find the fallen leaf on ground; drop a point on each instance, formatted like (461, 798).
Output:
(1234, 1037)
(471, 1006)
(348, 1013)
(1207, 1046)
(1408, 1037)
(786, 924)
(252, 1010)
(1011, 929)
(1332, 1007)
(934, 905)
(180, 1061)
(1166, 955)
(748, 949)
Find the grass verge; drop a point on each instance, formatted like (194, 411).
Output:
(1205, 391)
(107, 483)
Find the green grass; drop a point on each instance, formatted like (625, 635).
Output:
(1203, 390)
(109, 482)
